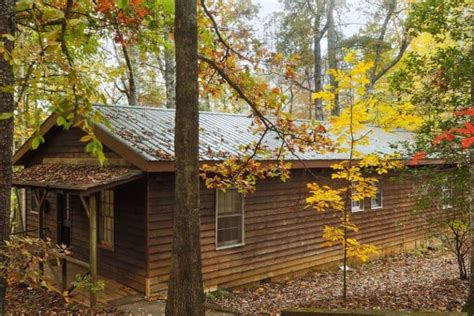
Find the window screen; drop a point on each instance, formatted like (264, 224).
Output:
(376, 201)
(229, 218)
(106, 219)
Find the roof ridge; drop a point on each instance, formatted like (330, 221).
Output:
(142, 107)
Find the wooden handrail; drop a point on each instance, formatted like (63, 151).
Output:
(77, 261)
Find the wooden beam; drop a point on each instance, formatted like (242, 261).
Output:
(85, 205)
(93, 245)
(77, 262)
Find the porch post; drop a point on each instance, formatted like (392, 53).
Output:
(93, 245)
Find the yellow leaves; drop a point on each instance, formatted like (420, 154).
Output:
(323, 198)
(332, 234)
(360, 251)
(323, 95)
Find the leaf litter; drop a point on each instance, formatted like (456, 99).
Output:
(417, 281)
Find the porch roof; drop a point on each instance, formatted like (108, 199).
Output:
(74, 177)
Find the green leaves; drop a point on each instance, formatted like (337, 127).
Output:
(37, 141)
(6, 115)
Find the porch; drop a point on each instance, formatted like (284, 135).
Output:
(114, 293)
(66, 201)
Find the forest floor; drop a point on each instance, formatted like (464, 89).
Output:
(423, 280)
(21, 300)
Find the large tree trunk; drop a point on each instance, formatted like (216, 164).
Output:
(332, 58)
(185, 292)
(7, 26)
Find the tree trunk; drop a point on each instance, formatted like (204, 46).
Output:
(185, 292)
(332, 58)
(7, 26)
(170, 78)
(318, 86)
(132, 91)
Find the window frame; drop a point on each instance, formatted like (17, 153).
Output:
(33, 199)
(379, 191)
(355, 209)
(100, 242)
(242, 210)
(446, 188)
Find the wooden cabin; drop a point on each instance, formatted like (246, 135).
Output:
(118, 219)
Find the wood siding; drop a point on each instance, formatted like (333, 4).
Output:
(281, 235)
(66, 146)
(126, 262)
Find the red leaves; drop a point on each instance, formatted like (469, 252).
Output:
(127, 20)
(448, 135)
(105, 6)
(418, 157)
(466, 133)
(467, 142)
(467, 111)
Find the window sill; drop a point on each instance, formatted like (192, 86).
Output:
(376, 207)
(230, 246)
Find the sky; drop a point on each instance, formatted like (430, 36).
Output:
(353, 16)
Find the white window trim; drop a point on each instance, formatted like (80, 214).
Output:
(216, 224)
(359, 208)
(381, 198)
(446, 188)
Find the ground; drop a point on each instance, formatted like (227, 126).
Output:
(21, 300)
(422, 280)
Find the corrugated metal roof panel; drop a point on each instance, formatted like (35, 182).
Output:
(150, 132)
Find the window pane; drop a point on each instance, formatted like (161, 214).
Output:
(229, 202)
(106, 218)
(229, 230)
(229, 218)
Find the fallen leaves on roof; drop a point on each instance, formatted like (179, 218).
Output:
(72, 176)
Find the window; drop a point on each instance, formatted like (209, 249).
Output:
(33, 202)
(357, 206)
(229, 219)
(446, 197)
(106, 219)
(376, 201)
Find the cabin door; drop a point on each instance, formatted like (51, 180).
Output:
(64, 219)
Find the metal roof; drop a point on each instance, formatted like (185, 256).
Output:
(150, 132)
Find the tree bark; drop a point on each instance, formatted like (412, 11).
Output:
(7, 26)
(318, 86)
(185, 292)
(170, 78)
(132, 91)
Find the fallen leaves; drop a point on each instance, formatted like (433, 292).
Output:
(408, 282)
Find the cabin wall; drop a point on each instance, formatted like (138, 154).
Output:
(282, 237)
(66, 148)
(126, 263)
